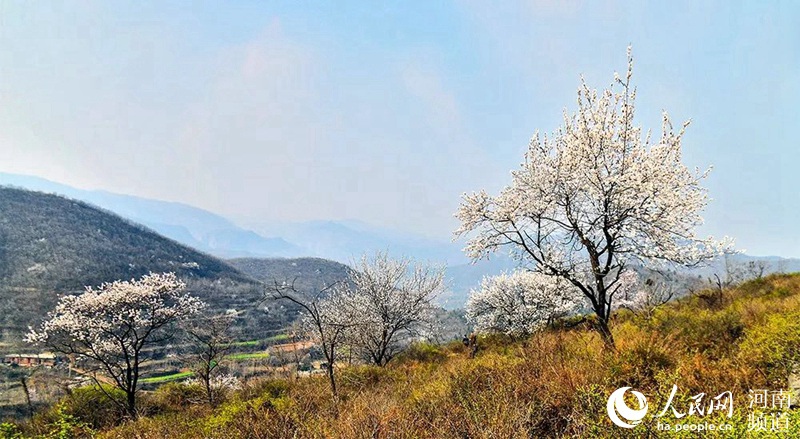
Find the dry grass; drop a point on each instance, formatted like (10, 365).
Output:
(554, 384)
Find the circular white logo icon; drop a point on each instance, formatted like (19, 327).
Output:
(618, 410)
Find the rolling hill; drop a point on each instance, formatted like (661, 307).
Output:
(51, 242)
(186, 224)
(50, 245)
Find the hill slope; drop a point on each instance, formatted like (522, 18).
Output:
(186, 224)
(51, 245)
(51, 242)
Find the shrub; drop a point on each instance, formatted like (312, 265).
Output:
(423, 353)
(774, 346)
(173, 397)
(92, 406)
(9, 431)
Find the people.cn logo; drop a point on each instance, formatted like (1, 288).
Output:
(620, 413)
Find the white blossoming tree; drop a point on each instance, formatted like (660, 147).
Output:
(392, 299)
(521, 302)
(592, 198)
(111, 326)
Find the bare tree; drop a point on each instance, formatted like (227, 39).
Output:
(757, 269)
(112, 326)
(211, 343)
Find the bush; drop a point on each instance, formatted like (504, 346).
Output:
(9, 431)
(423, 353)
(774, 346)
(173, 397)
(92, 406)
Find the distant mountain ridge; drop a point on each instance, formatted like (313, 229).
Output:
(186, 224)
(343, 240)
(309, 274)
(347, 240)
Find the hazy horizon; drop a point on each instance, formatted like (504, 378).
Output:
(265, 112)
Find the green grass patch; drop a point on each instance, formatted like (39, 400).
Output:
(252, 343)
(279, 337)
(166, 378)
(249, 356)
(243, 343)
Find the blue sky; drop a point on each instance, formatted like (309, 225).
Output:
(387, 111)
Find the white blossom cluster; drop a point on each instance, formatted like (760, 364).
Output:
(594, 196)
(391, 300)
(521, 302)
(112, 323)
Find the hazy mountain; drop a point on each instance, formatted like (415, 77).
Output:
(342, 241)
(309, 274)
(346, 240)
(188, 225)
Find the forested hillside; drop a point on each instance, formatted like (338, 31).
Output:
(50, 245)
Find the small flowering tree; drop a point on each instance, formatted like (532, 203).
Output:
(643, 298)
(326, 317)
(219, 385)
(520, 303)
(111, 327)
(594, 197)
(392, 300)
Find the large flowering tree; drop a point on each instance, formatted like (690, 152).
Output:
(111, 327)
(594, 197)
(521, 302)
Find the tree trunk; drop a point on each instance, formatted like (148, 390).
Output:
(209, 390)
(332, 379)
(24, 382)
(131, 404)
(605, 332)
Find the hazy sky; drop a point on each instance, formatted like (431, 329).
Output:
(388, 111)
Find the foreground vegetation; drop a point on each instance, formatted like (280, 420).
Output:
(553, 384)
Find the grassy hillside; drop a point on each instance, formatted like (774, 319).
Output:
(554, 384)
(51, 245)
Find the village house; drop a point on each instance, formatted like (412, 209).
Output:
(31, 360)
